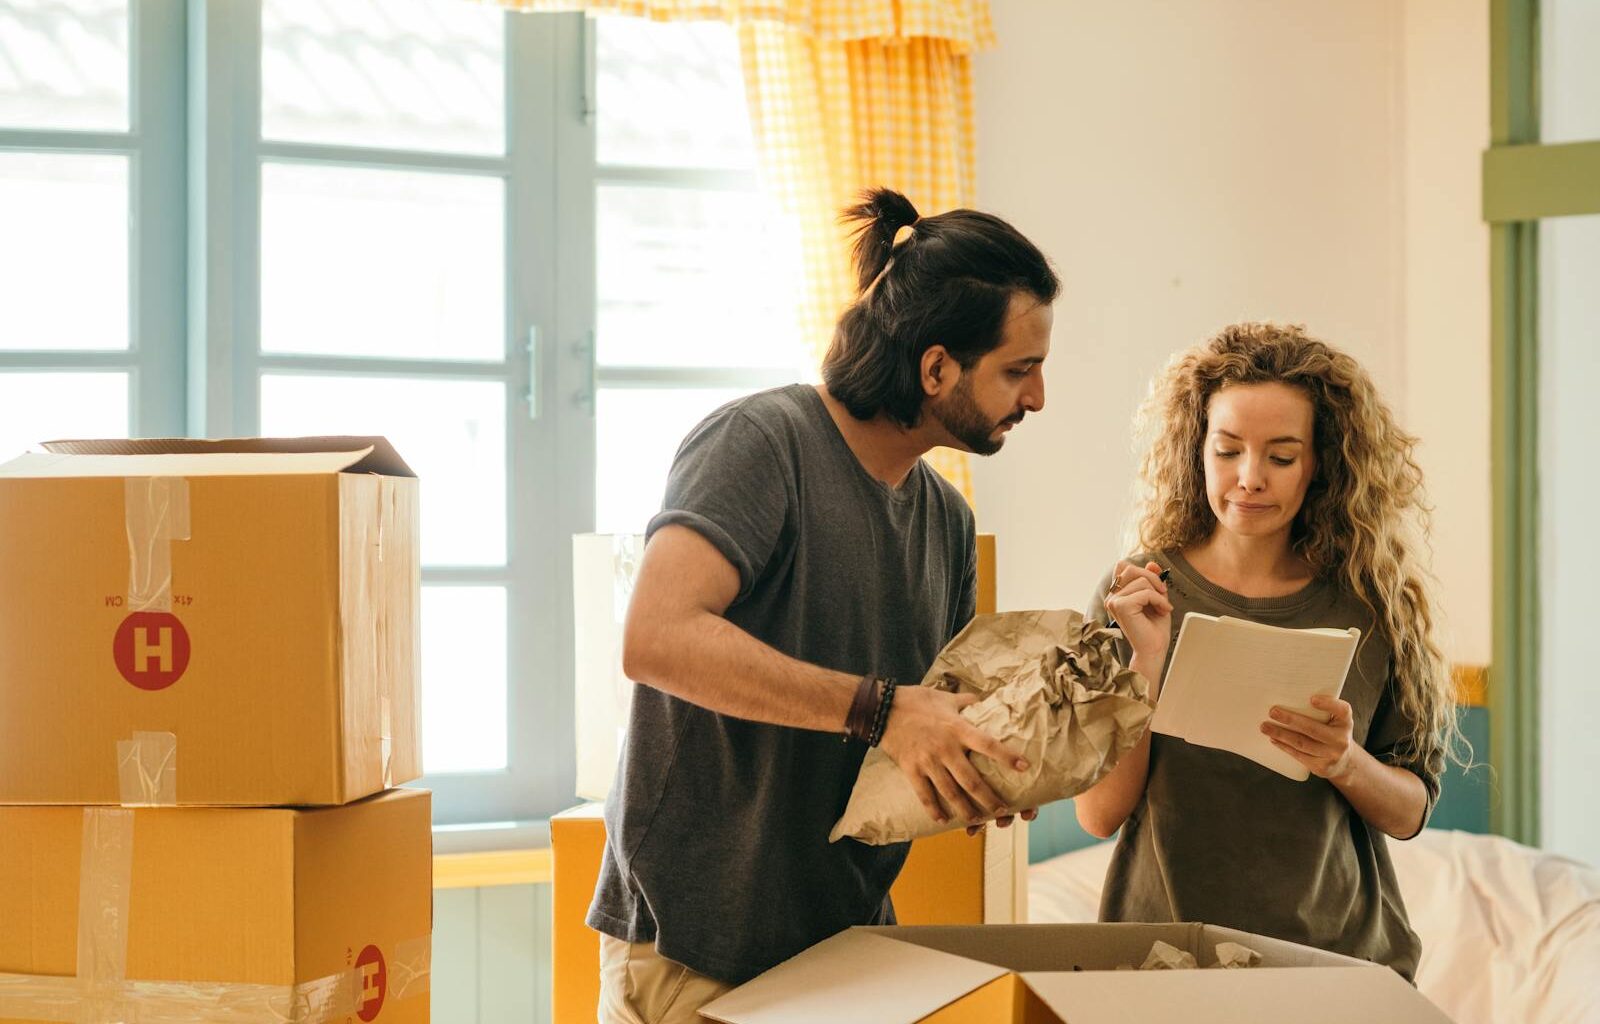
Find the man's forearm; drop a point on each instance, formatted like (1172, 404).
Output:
(707, 660)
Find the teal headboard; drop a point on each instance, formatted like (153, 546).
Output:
(1463, 800)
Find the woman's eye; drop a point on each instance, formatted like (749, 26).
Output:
(1225, 455)
(1281, 461)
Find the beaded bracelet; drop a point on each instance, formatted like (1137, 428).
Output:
(880, 721)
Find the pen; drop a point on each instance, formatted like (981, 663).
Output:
(1166, 574)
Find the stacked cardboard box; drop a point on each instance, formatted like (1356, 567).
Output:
(208, 690)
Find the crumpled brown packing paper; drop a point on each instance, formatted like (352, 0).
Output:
(1231, 956)
(1054, 689)
(1166, 957)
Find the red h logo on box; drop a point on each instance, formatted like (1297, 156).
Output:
(151, 649)
(373, 974)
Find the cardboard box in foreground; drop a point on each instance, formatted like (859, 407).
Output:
(208, 622)
(299, 916)
(1049, 974)
(951, 878)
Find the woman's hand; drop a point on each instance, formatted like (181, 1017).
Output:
(1327, 749)
(1137, 603)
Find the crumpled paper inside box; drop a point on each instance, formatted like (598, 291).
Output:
(1166, 957)
(1053, 688)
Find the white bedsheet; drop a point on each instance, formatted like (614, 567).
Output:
(1510, 935)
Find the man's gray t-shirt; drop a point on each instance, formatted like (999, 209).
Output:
(717, 833)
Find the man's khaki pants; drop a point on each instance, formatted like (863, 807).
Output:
(640, 986)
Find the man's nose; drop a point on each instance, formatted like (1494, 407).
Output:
(1033, 396)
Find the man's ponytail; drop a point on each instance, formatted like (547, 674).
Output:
(879, 217)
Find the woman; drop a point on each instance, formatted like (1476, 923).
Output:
(1280, 489)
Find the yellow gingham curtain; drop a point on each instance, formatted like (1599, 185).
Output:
(845, 95)
(834, 117)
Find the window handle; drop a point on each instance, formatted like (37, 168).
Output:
(584, 350)
(532, 394)
(587, 34)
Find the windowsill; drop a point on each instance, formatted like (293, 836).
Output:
(496, 853)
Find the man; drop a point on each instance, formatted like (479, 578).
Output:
(805, 553)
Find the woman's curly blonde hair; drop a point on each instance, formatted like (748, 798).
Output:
(1364, 511)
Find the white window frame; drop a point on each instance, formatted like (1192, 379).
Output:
(195, 360)
(154, 357)
(549, 321)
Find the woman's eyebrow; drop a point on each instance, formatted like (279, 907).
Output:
(1285, 439)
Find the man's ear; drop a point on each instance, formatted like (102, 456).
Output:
(939, 371)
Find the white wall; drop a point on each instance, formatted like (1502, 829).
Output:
(1189, 165)
(1446, 339)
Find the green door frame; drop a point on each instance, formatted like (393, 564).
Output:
(1523, 181)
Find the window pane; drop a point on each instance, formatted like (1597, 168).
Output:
(395, 74)
(637, 432)
(38, 407)
(670, 95)
(394, 264)
(64, 64)
(692, 278)
(63, 251)
(463, 679)
(1569, 493)
(450, 432)
(1569, 86)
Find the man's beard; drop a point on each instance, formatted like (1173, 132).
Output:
(960, 415)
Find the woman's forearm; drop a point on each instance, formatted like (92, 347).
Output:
(1386, 796)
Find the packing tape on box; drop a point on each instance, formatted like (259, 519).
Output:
(102, 994)
(147, 770)
(156, 513)
(387, 497)
(373, 708)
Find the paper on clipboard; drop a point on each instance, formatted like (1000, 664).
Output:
(1226, 674)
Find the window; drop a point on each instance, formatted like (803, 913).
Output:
(696, 270)
(90, 329)
(528, 248)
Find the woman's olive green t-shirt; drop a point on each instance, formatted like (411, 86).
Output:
(1220, 839)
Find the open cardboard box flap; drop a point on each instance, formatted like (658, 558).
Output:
(1305, 995)
(181, 456)
(856, 977)
(901, 975)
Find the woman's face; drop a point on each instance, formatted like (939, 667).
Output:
(1259, 457)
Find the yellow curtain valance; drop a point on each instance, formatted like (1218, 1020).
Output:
(963, 24)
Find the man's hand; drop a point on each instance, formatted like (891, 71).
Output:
(930, 741)
(1005, 820)
(1138, 603)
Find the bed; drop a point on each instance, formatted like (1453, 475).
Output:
(1509, 934)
